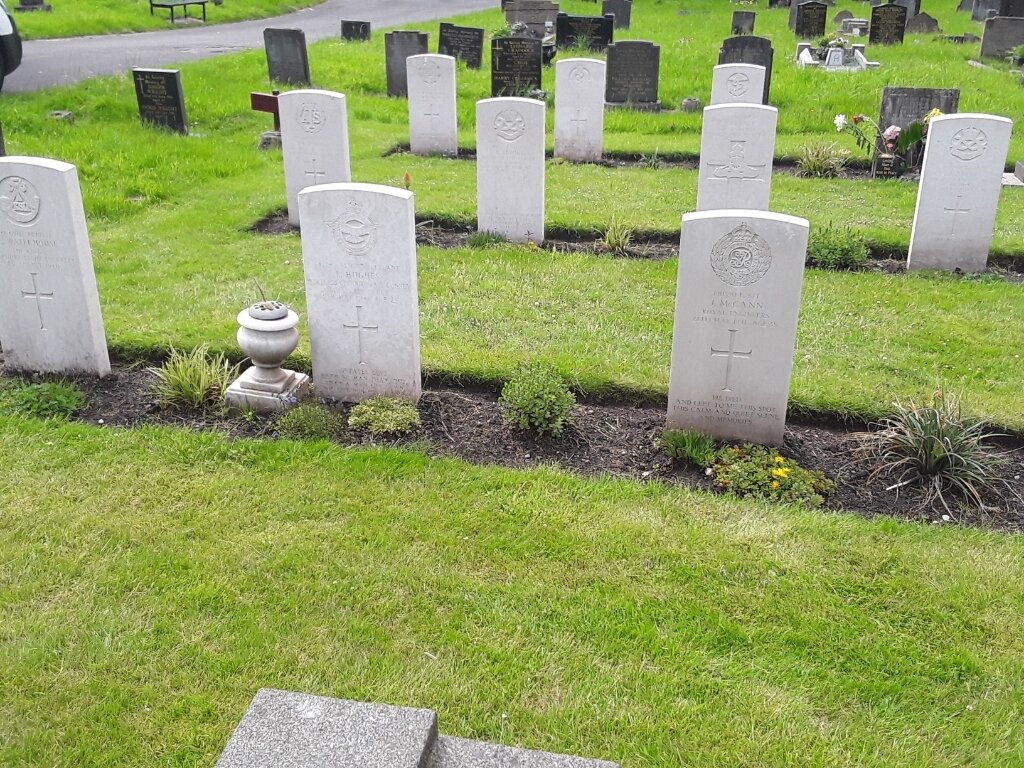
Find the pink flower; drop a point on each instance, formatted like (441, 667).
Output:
(891, 133)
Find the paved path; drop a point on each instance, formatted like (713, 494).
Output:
(69, 60)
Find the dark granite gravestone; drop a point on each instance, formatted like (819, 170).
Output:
(33, 5)
(516, 64)
(622, 10)
(464, 43)
(743, 22)
(748, 49)
(287, 59)
(595, 32)
(923, 24)
(983, 9)
(355, 30)
(888, 24)
(842, 16)
(811, 18)
(161, 98)
(538, 15)
(399, 46)
(634, 67)
(903, 106)
(1001, 36)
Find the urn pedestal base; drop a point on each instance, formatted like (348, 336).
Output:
(248, 392)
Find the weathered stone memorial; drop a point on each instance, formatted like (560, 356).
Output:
(295, 730)
(399, 46)
(1001, 36)
(749, 49)
(959, 192)
(622, 10)
(537, 15)
(50, 318)
(842, 16)
(737, 84)
(984, 9)
(359, 258)
(913, 6)
(632, 77)
(463, 43)
(811, 19)
(737, 303)
(737, 148)
(355, 30)
(594, 32)
(903, 106)
(510, 168)
(161, 98)
(516, 64)
(888, 24)
(743, 22)
(579, 109)
(314, 138)
(433, 125)
(922, 24)
(287, 57)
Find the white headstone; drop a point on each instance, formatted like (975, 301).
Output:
(50, 317)
(737, 84)
(433, 126)
(314, 138)
(737, 303)
(510, 168)
(579, 109)
(359, 257)
(959, 191)
(737, 147)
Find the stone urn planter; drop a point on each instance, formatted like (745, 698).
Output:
(267, 334)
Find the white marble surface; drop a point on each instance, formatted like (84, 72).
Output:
(737, 84)
(579, 109)
(737, 148)
(433, 122)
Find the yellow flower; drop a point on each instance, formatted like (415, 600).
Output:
(779, 460)
(782, 472)
(775, 485)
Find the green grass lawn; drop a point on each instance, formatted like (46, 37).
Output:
(152, 580)
(72, 18)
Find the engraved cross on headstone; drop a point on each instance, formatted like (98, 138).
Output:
(955, 210)
(359, 328)
(578, 121)
(433, 113)
(729, 354)
(315, 173)
(35, 295)
(737, 168)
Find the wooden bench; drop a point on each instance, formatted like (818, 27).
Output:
(172, 4)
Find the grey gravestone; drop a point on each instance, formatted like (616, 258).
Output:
(888, 24)
(965, 5)
(464, 43)
(982, 9)
(743, 22)
(161, 98)
(595, 32)
(287, 59)
(1018, 170)
(1001, 36)
(516, 64)
(748, 49)
(903, 106)
(355, 30)
(1014, 8)
(842, 16)
(399, 46)
(913, 6)
(923, 24)
(3, 144)
(622, 10)
(778, 4)
(537, 15)
(634, 67)
(811, 19)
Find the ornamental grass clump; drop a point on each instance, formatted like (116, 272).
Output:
(689, 446)
(195, 379)
(753, 470)
(838, 248)
(536, 399)
(309, 421)
(383, 415)
(823, 161)
(618, 237)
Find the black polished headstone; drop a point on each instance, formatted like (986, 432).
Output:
(749, 49)
(287, 59)
(161, 98)
(399, 46)
(743, 22)
(903, 106)
(594, 32)
(355, 30)
(888, 24)
(811, 19)
(632, 75)
(464, 43)
(516, 64)
(622, 10)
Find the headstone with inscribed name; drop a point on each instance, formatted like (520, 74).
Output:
(510, 168)
(622, 10)
(287, 58)
(737, 84)
(50, 317)
(161, 98)
(464, 43)
(594, 32)
(959, 192)
(399, 46)
(516, 64)
(903, 106)
(538, 15)
(355, 30)
(359, 258)
(922, 24)
(1001, 36)
(579, 109)
(632, 76)
(811, 19)
(314, 139)
(737, 148)
(737, 303)
(888, 24)
(433, 126)
(749, 49)
(743, 22)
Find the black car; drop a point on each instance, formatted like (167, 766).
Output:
(10, 44)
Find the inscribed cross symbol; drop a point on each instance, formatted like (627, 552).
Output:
(729, 354)
(432, 114)
(314, 173)
(34, 294)
(737, 168)
(577, 121)
(955, 210)
(359, 328)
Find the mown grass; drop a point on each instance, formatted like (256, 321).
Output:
(74, 18)
(152, 580)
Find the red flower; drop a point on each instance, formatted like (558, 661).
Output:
(857, 119)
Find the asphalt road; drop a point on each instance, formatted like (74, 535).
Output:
(59, 62)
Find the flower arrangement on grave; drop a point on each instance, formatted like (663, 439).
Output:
(821, 51)
(903, 145)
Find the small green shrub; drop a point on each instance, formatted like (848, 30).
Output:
(193, 379)
(823, 161)
(385, 416)
(617, 237)
(309, 421)
(936, 446)
(536, 398)
(690, 446)
(652, 161)
(46, 400)
(837, 248)
(485, 240)
(753, 470)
